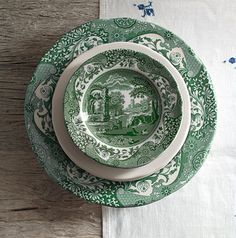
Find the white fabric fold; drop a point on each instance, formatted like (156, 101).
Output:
(206, 206)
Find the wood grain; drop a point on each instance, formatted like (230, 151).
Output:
(31, 205)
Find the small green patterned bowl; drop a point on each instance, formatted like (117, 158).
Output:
(126, 106)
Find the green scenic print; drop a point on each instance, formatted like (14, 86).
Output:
(122, 108)
(122, 102)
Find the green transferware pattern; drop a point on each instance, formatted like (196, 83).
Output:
(118, 107)
(120, 194)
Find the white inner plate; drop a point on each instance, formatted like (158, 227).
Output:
(90, 165)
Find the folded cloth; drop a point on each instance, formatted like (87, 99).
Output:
(206, 206)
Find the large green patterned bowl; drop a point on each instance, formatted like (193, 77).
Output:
(123, 108)
(38, 114)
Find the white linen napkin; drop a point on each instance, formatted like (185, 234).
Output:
(206, 206)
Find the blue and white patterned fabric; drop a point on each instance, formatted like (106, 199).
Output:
(206, 206)
(231, 60)
(142, 10)
(146, 9)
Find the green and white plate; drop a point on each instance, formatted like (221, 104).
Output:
(180, 169)
(98, 169)
(123, 108)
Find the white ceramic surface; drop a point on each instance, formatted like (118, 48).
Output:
(93, 167)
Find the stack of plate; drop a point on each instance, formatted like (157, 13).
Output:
(120, 112)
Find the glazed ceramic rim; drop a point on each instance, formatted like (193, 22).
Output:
(90, 165)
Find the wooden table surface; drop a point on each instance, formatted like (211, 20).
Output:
(31, 204)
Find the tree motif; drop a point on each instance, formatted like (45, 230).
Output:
(143, 90)
(116, 103)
